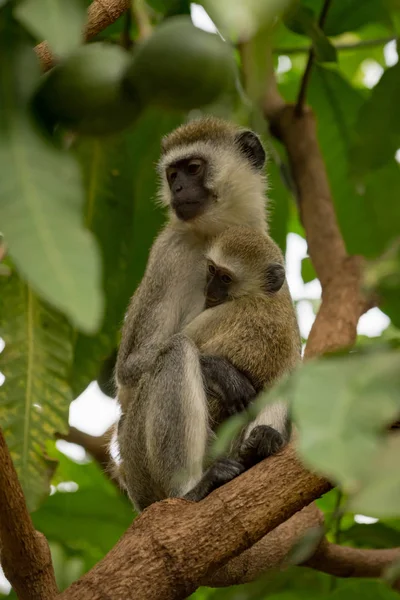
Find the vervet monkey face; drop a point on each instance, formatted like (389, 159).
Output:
(186, 180)
(219, 282)
(225, 284)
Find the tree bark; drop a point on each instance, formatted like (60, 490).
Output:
(174, 545)
(24, 552)
(101, 13)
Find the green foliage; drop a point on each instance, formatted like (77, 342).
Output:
(307, 270)
(85, 92)
(35, 397)
(85, 523)
(60, 23)
(341, 406)
(69, 203)
(377, 131)
(303, 20)
(40, 201)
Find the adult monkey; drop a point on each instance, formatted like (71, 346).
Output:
(211, 178)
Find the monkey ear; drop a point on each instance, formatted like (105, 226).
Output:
(249, 143)
(274, 277)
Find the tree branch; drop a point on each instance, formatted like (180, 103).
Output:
(101, 13)
(24, 552)
(340, 275)
(311, 56)
(343, 561)
(96, 446)
(175, 545)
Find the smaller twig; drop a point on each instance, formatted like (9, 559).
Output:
(307, 73)
(126, 40)
(339, 46)
(142, 19)
(97, 447)
(24, 552)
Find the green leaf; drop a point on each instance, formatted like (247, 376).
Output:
(88, 522)
(307, 270)
(60, 23)
(40, 213)
(35, 396)
(377, 131)
(379, 492)
(303, 20)
(374, 535)
(383, 278)
(367, 217)
(341, 405)
(40, 205)
(363, 590)
(121, 184)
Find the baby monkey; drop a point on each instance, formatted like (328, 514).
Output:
(249, 319)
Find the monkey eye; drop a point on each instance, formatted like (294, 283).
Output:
(226, 278)
(194, 167)
(211, 269)
(171, 174)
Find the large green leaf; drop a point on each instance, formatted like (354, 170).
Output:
(35, 396)
(368, 216)
(121, 185)
(377, 131)
(89, 521)
(40, 203)
(60, 23)
(341, 406)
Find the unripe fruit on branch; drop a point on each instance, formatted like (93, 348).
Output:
(84, 92)
(180, 66)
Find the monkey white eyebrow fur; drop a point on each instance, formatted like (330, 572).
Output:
(197, 149)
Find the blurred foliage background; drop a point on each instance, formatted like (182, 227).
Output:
(78, 149)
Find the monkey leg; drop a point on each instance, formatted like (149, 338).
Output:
(177, 421)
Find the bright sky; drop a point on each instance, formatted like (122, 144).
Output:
(93, 412)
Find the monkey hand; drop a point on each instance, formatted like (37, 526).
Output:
(262, 442)
(230, 386)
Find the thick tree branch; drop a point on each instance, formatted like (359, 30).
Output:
(24, 552)
(174, 545)
(101, 13)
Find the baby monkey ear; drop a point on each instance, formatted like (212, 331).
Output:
(274, 277)
(250, 145)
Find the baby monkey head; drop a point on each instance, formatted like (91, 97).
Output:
(242, 262)
(207, 167)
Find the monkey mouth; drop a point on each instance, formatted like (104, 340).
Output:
(189, 209)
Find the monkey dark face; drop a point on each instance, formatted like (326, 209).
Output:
(217, 287)
(186, 180)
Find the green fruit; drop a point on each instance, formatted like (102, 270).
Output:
(180, 66)
(84, 93)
